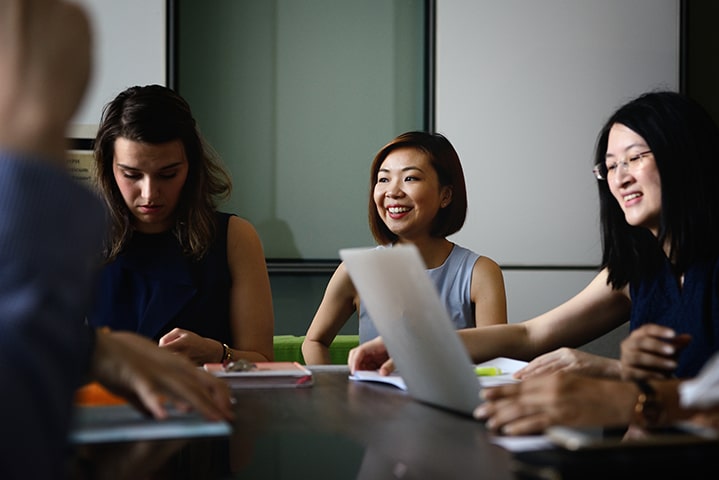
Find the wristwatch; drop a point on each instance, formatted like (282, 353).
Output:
(226, 354)
(648, 409)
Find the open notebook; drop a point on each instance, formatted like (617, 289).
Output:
(409, 315)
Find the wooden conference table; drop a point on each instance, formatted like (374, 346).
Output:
(341, 429)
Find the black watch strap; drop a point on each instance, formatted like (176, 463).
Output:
(647, 409)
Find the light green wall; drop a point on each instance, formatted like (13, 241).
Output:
(297, 96)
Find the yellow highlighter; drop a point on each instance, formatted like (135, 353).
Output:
(487, 371)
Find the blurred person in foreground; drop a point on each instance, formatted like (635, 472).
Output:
(50, 234)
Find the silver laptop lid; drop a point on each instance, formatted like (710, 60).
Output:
(409, 315)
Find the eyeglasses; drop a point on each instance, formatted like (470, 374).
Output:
(603, 171)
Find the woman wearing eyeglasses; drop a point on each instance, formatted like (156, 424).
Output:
(657, 168)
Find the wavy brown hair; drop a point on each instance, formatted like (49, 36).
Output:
(156, 114)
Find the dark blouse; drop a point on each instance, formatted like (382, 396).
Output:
(151, 288)
(693, 309)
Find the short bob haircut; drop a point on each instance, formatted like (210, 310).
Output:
(684, 141)
(156, 114)
(445, 161)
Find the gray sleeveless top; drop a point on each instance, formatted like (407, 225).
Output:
(453, 280)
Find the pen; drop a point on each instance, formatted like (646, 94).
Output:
(487, 371)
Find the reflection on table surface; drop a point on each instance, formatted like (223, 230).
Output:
(339, 429)
(335, 429)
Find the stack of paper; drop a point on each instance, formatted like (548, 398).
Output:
(498, 371)
(703, 390)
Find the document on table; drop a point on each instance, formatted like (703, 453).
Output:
(505, 366)
(119, 423)
(703, 390)
(523, 443)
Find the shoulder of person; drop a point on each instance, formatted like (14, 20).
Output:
(240, 230)
(486, 265)
(240, 224)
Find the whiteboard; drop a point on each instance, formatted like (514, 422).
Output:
(129, 40)
(523, 88)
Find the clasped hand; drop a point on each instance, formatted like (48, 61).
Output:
(198, 349)
(651, 351)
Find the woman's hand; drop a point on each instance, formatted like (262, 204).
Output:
(570, 360)
(371, 355)
(651, 351)
(562, 398)
(135, 368)
(198, 349)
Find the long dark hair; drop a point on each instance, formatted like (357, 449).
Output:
(684, 141)
(156, 114)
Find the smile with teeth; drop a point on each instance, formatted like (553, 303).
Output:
(631, 196)
(398, 209)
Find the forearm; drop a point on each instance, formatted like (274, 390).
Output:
(249, 355)
(222, 352)
(605, 367)
(255, 342)
(315, 352)
(228, 353)
(485, 343)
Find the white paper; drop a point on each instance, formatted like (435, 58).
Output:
(506, 365)
(523, 443)
(703, 390)
(374, 376)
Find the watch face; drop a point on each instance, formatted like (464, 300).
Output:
(648, 409)
(651, 410)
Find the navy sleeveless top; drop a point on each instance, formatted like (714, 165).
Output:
(151, 288)
(693, 309)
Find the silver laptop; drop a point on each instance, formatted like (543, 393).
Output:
(409, 315)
